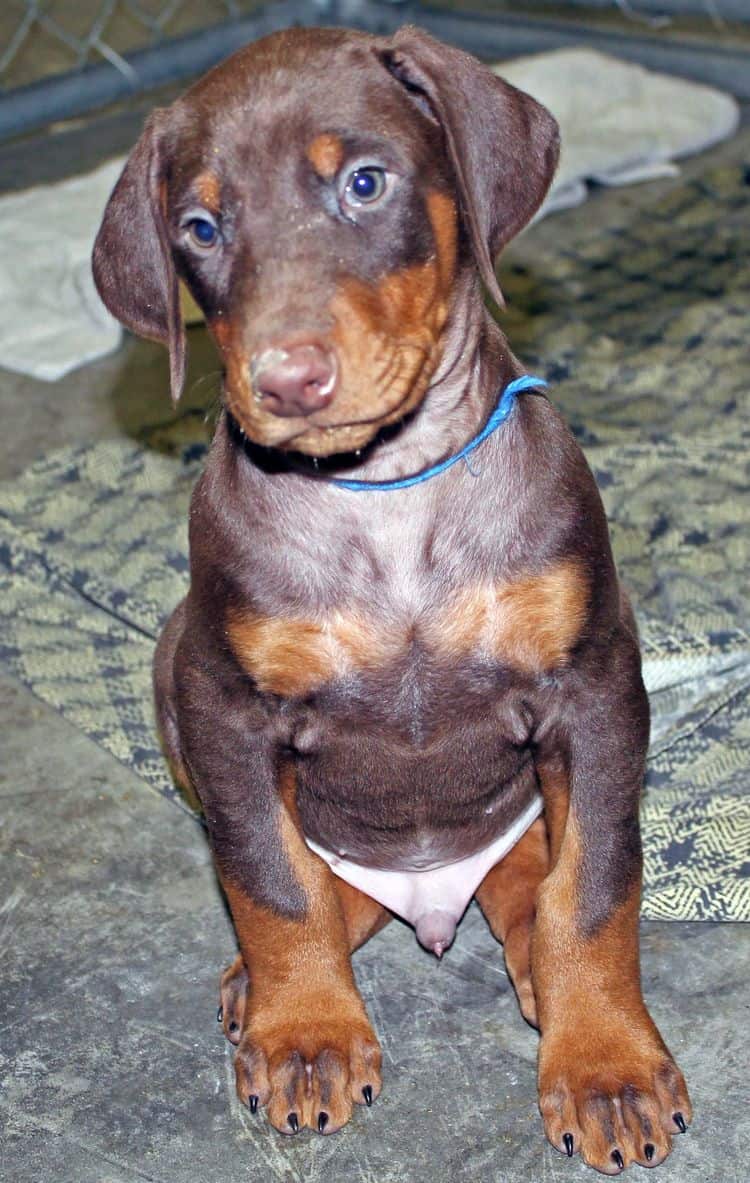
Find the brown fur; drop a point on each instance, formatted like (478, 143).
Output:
(530, 625)
(442, 213)
(363, 918)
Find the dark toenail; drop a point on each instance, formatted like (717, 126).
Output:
(292, 1119)
(648, 1150)
(220, 1014)
(617, 1159)
(367, 1094)
(234, 1026)
(253, 1103)
(322, 1122)
(568, 1140)
(679, 1121)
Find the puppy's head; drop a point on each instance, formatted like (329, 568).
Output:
(319, 193)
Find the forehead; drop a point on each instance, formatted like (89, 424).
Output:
(320, 93)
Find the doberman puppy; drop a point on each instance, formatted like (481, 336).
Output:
(397, 682)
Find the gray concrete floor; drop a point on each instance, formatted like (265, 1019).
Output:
(112, 935)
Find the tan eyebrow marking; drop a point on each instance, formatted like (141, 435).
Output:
(326, 155)
(209, 191)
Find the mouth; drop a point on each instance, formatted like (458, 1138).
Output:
(318, 463)
(314, 440)
(309, 436)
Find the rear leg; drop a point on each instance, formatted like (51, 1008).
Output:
(363, 917)
(507, 897)
(164, 701)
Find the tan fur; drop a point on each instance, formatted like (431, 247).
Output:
(507, 897)
(363, 916)
(209, 191)
(293, 657)
(326, 155)
(531, 625)
(441, 210)
(555, 786)
(598, 1039)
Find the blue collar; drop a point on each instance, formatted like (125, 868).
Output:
(498, 416)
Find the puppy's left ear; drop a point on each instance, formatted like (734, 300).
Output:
(132, 261)
(502, 144)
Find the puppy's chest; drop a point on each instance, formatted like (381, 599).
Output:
(406, 629)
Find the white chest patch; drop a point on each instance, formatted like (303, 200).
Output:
(433, 899)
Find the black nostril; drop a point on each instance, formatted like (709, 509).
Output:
(294, 381)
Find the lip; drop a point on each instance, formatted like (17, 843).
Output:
(282, 433)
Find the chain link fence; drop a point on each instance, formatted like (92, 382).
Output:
(62, 57)
(39, 38)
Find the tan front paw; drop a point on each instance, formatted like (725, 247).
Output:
(613, 1104)
(309, 1069)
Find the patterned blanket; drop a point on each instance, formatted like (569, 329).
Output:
(642, 331)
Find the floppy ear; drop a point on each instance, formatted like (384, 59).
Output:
(502, 144)
(132, 261)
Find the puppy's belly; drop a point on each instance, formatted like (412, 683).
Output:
(432, 899)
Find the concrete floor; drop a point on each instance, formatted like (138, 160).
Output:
(112, 935)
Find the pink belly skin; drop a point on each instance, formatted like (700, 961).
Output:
(433, 899)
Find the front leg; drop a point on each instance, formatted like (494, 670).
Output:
(363, 917)
(608, 1085)
(306, 1048)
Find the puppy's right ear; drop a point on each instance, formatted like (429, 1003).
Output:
(132, 261)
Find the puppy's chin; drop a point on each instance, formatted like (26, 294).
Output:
(319, 441)
(322, 442)
(316, 442)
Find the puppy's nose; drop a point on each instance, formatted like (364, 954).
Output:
(294, 381)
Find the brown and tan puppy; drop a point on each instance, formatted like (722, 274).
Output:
(392, 700)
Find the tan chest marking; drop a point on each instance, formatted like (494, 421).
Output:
(293, 657)
(531, 624)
